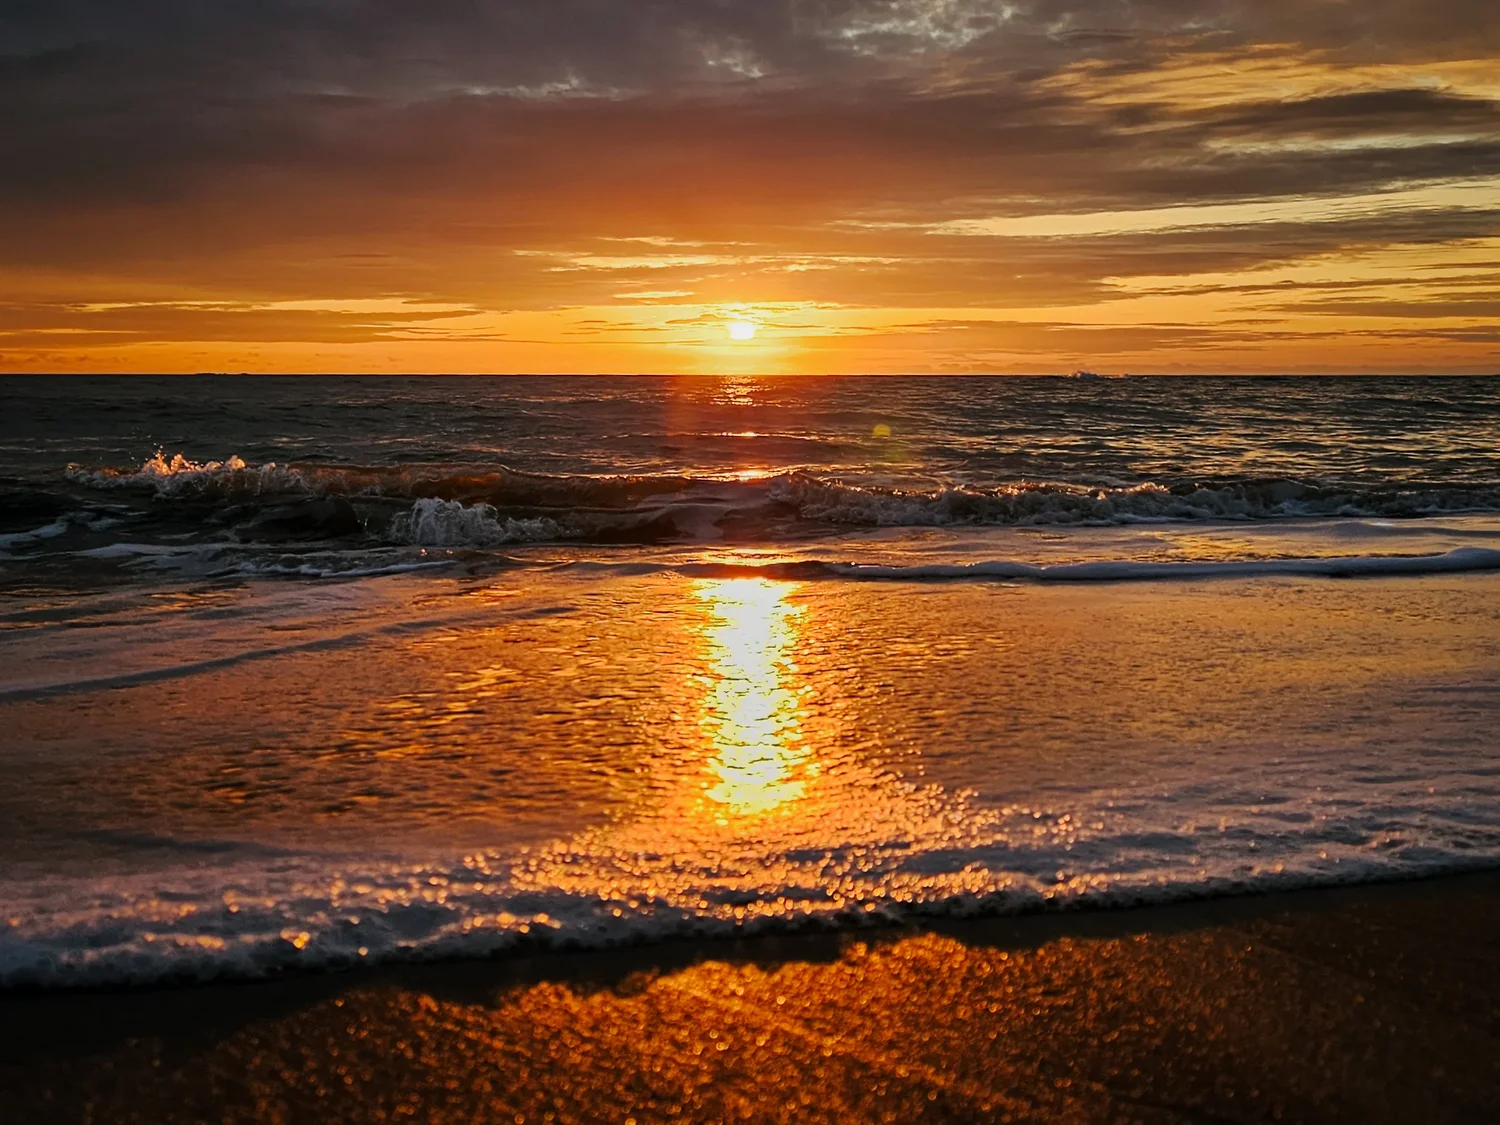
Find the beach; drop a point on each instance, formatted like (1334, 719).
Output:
(717, 561)
(375, 777)
(1360, 1004)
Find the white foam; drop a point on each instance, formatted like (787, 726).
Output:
(57, 527)
(182, 475)
(696, 505)
(433, 522)
(140, 550)
(919, 853)
(1057, 503)
(1459, 560)
(60, 526)
(314, 570)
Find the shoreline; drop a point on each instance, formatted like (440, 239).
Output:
(1368, 1002)
(546, 957)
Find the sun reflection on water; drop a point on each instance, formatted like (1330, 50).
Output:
(751, 713)
(753, 800)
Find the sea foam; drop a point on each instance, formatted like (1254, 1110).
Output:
(240, 911)
(1459, 560)
(433, 522)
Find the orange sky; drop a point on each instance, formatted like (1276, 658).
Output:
(876, 185)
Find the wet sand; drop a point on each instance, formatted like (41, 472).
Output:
(1367, 1004)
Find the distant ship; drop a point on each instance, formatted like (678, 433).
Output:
(1089, 376)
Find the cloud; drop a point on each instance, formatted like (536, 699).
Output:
(218, 161)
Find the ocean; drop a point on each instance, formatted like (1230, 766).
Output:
(305, 672)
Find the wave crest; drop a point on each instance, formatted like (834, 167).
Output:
(182, 476)
(499, 485)
(484, 506)
(1039, 503)
(433, 522)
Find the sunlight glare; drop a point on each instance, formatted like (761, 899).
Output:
(751, 715)
(742, 330)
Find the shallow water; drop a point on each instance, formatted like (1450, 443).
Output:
(654, 681)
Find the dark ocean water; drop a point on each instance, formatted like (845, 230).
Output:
(366, 468)
(299, 672)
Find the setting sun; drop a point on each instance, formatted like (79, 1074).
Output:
(743, 330)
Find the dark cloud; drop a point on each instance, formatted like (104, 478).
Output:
(254, 150)
(170, 100)
(1423, 110)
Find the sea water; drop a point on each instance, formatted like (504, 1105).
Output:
(324, 671)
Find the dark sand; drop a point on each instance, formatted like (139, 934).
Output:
(1362, 1005)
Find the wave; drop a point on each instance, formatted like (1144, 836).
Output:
(181, 476)
(450, 523)
(233, 910)
(63, 524)
(1459, 560)
(236, 479)
(1049, 503)
(59, 526)
(370, 516)
(448, 543)
(495, 506)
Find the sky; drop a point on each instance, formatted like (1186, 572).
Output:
(941, 186)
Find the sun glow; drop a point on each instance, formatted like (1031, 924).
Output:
(743, 330)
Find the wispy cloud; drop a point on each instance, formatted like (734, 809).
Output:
(1024, 180)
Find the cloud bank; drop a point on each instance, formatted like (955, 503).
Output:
(882, 184)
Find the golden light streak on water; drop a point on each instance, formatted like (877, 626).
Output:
(751, 713)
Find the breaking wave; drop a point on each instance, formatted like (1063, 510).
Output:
(254, 911)
(1458, 561)
(235, 478)
(493, 506)
(450, 523)
(180, 476)
(1044, 503)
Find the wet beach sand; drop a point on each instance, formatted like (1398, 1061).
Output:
(1359, 1004)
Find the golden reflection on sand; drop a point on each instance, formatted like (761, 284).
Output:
(751, 711)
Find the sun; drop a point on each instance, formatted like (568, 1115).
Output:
(743, 330)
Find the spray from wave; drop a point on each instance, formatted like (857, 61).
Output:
(432, 522)
(494, 505)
